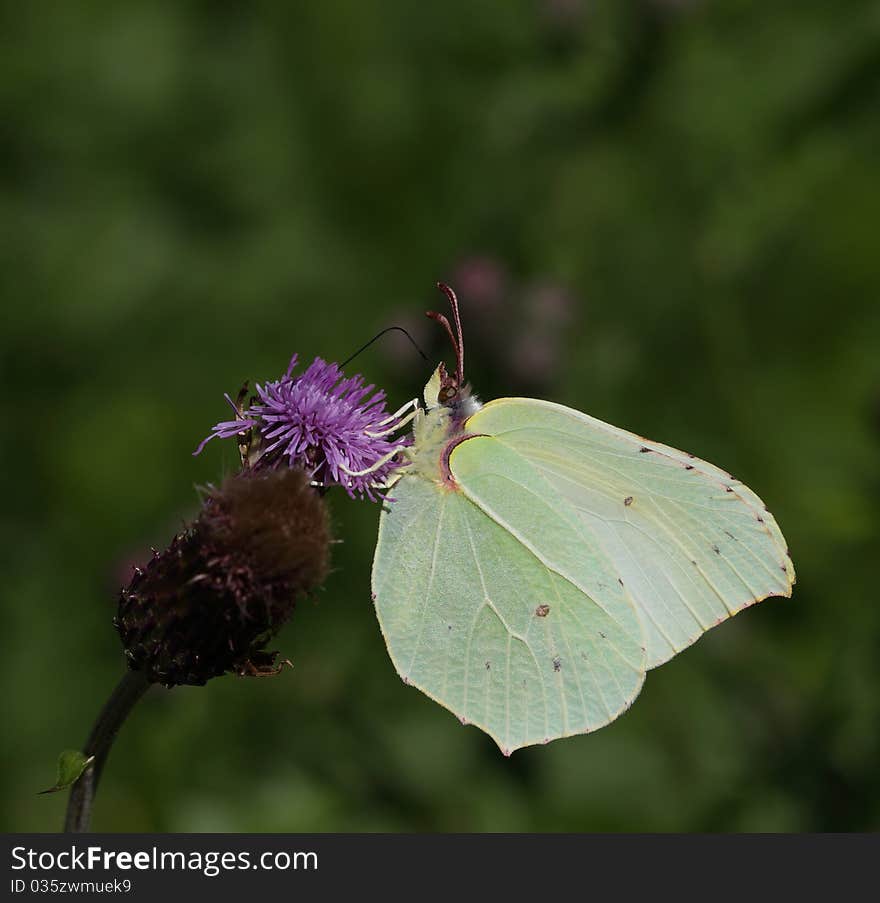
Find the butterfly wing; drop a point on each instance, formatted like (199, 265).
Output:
(495, 601)
(692, 544)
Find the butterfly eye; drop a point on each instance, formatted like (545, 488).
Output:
(447, 394)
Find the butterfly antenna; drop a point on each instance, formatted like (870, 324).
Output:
(456, 337)
(378, 336)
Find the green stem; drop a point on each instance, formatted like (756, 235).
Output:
(122, 700)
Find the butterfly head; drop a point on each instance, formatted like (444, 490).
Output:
(444, 389)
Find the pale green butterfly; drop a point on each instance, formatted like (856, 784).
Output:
(533, 562)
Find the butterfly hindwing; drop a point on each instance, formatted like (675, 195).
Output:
(496, 602)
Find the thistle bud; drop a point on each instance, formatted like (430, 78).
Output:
(211, 601)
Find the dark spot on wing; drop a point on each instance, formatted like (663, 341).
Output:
(694, 563)
(729, 488)
(620, 581)
(628, 500)
(759, 518)
(604, 637)
(716, 550)
(542, 611)
(644, 449)
(488, 666)
(730, 534)
(688, 466)
(449, 627)
(557, 663)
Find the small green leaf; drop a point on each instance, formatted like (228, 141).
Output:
(71, 764)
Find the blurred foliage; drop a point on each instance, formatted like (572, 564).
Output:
(663, 213)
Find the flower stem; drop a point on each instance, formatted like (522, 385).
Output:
(122, 700)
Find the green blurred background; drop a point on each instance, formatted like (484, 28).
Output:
(663, 213)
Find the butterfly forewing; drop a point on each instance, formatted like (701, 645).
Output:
(691, 544)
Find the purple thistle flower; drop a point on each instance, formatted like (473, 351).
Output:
(332, 427)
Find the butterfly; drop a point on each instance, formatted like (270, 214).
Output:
(533, 562)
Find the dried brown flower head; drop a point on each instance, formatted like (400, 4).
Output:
(211, 601)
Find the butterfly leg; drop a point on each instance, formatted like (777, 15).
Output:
(393, 429)
(376, 466)
(413, 403)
